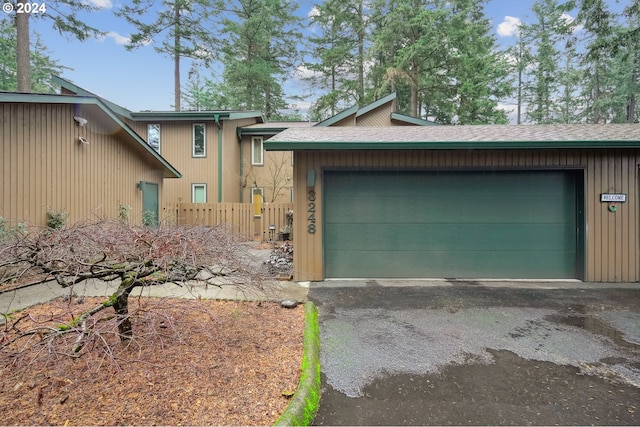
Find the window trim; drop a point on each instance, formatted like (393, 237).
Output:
(193, 140)
(193, 191)
(159, 136)
(254, 140)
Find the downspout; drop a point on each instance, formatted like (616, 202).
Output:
(241, 170)
(218, 123)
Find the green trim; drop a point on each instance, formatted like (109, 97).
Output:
(261, 131)
(192, 115)
(81, 91)
(219, 125)
(170, 171)
(241, 172)
(340, 116)
(305, 402)
(445, 145)
(412, 120)
(376, 104)
(159, 115)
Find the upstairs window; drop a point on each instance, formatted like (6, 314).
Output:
(256, 151)
(199, 146)
(153, 136)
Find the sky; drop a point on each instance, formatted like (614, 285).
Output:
(143, 79)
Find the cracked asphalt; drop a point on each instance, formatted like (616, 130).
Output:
(470, 353)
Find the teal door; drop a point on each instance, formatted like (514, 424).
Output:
(452, 224)
(149, 204)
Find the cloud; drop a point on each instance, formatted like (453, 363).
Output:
(509, 27)
(101, 4)
(313, 12)
(119, 39)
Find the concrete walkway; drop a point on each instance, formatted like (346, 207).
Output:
(21, 298)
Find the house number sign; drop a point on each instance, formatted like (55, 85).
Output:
(311, 212)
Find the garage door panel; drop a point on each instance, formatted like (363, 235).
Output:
(511, 224)
(448, 264)
(455, 237)
(372, 210)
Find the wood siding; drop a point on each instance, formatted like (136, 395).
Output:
(611, 243)
(276, 168)
(176, 146)
(45, 166)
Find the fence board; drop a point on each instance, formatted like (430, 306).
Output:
(237, 216)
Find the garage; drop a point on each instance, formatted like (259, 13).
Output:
(516, 224)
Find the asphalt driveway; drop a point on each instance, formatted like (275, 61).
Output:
(469, 353)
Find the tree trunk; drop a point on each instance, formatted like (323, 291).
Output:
(23, 53)
(120, 304)
(176, 59)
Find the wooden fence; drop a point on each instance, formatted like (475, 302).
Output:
(238, 217)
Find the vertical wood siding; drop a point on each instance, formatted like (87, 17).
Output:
(611, 238)
(44, 166)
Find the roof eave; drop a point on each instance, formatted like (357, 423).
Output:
(447, 145)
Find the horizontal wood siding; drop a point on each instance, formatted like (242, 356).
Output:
(611, 238)
(44, 166)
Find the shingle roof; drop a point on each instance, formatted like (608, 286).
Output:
(459, 137)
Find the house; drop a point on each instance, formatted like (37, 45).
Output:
(203, 145)
(73, 154)
(495, 201)
(270, 173)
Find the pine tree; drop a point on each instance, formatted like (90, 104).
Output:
(546, 37)
(41, 65)
(259, 49)
(64, 17)
(334, 59)
(185, 26)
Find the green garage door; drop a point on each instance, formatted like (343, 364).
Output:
(478, 224)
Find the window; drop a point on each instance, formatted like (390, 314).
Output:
(153, 136)
(256, 151)
(199, 141)
(198, 193)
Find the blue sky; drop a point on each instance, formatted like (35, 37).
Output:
(143, 79)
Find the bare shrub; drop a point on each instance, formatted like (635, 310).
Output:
(133, 256)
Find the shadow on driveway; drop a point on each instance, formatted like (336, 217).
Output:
(475, 355)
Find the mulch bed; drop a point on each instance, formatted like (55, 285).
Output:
(190, 362)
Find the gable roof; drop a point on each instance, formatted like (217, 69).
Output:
(458, 137)
(216, 115)
(357, 112)
(140, 145)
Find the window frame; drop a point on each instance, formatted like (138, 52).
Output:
(193, 191)
(254, 140)
(159, 136)
(204, 140)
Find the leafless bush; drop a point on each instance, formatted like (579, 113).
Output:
(111, 250)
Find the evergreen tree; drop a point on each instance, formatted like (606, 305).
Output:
(410, 47)
(598, 23)
(42, 66)
(546, 37)
(335, 61)
(184, 24)
(65, 19)
(477, 69)
(259, 49)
